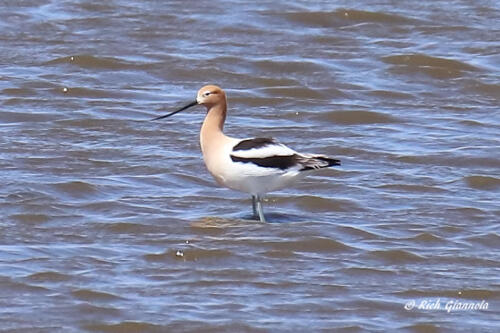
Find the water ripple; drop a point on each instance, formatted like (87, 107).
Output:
(112, 219)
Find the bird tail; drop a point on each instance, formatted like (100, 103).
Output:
(313, 162)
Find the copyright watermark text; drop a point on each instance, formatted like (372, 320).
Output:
(449, 305)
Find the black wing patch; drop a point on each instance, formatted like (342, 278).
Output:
(288, 161)
(253, 143)
(277, 162)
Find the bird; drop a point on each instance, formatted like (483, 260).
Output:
(252, 165)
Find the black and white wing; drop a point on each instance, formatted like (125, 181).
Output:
(268, 153)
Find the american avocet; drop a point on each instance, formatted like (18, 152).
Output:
(256, 166)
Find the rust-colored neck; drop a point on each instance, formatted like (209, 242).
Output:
(211, 130)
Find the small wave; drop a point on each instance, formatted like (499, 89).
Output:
(487, 240)
(342, 17)
(92, 295)
(279, 254)
(412, 188)
(22, 117)
(280, 66)
(464, 293)
(90, 93)
(131, 228)
(316, 203)
(204, 254)
(92, 62)
(76, 189)
(94, 311)
(297, 92)
(422, 328)
(487, 89)
(357, 117)
(396, 256)
(368, 16)
(189, 254)
(426, 237)
(471, 213)
(422, 60)
(449, 160)
(360, 233)
(30, 219)
(389, 94)
(313, 244)
(213, 225)
(11, 285)
(472, 123)
(433, 66)
(368, 272)
(19, 92)
(271, 81)
(480, 182)
(49, 276)
(126, 326)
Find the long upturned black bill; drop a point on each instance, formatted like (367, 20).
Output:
(177, 111)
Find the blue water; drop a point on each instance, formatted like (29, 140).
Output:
(111, 223)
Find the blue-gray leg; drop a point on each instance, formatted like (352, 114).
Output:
(260, 209)
(254, 205)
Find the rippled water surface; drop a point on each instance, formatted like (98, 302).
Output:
(110, 222)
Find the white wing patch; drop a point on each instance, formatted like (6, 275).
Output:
(276, 149)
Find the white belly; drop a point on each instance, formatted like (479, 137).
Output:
(262, 185)
(249, 178)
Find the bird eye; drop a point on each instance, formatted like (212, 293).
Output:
(206, 94)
